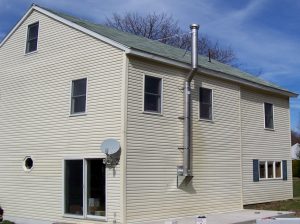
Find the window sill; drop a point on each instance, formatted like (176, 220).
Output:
(99, 218)
(206, 120)
(30, 53)
(77, 114)
(152, 113)
(269, 129)
(270, 179)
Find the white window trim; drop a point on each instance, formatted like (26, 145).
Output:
(274, 170)
(38, 37)
(86, 98)
(212, 105)
(269, 129)
(85, 216)
(161, 93)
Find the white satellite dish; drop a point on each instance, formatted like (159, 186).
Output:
(110, 147)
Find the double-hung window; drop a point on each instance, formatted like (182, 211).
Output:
(205, 104)
(269, 119)
(78, 101)
(85, 188)
(152, 94)
(32, 37)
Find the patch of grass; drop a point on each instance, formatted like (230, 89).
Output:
(296, 186)
(287, 205)
(7, 222)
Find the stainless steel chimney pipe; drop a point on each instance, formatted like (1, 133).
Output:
(194, 28)
(187, 169)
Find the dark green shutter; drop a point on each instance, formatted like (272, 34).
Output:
(255, 170)
(284, 169)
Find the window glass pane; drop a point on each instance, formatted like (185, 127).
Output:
(33, 31)
(278, 169)
(262, 169)
(78, 104)
(73, 187)
(205, 111)
(270, 170)
(79, 87)
(152, 103)
(32, 37)
(269, 115)
(205, 103)
(152, 85)
(96, 187)
(205, 95)
(152, 95)
(32, 45)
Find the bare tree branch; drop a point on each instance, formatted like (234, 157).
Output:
(164, 28)
(295, 137)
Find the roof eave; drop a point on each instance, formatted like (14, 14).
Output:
(17, 25)
(210, 72)
(247, 82)
(140, 53)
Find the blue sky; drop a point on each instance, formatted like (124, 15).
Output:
(264, 34)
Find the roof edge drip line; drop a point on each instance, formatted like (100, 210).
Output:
(131, 50)
(217, 74)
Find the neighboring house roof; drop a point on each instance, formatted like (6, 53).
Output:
(295, 151)
(156, 50)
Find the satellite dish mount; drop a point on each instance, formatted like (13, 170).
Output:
(112, 149)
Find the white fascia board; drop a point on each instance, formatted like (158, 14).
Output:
(68, 23)
(210, 72)
(154, 57)
(229, 77)
(16, 26)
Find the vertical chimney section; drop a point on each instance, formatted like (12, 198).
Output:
(194, 29)
(184, 173)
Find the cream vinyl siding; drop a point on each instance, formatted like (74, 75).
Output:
(261, 144)
(153, 154)
(34, 116)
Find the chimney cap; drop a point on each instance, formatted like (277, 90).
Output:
(194, 26)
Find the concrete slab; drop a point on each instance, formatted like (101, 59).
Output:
(245, 216)
(242, 217)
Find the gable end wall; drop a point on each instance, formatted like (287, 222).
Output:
(35, 121)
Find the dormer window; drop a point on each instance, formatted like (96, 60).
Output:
(32, 37)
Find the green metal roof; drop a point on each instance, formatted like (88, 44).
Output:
(164, 50)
